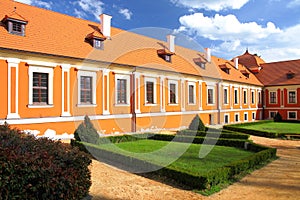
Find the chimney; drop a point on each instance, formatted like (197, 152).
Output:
(171, 43)
(208, 54)
(105, 25)
(236, 62)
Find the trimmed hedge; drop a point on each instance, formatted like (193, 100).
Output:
(201, 182)
(214, 134)
(41, 168)
(253, 132)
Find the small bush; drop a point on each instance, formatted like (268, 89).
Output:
(33, 168)
(86, 132)
(197, 124)
(277, 117)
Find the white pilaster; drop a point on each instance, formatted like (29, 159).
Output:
(105, 74)
(65, 112)
(138, 92)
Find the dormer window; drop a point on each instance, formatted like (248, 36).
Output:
(15, 23)
(165, 54)
(245, 73)
(224, 68)
(290, 75)
(96, 39)
(98, 44)
(200, 62)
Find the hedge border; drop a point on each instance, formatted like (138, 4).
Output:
(203, 182)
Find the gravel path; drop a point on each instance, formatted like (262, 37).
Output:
(278, 180)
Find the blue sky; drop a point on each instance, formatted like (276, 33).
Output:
(269, 28)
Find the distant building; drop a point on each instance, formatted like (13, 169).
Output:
(55, 69)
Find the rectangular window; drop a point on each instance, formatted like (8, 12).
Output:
(210, 96)
(272, 114)
(236, 118)
(245, 116)
(259, 97)
(17, 27)
(253, 116)
(245, 96)
(273, 97)
(191, 94)
(122, 91)
(225, 96)
(98, 44)
(40, 88)
(292, 115)
(86, 89)
(173, 89)
(236, 96)
(150, 92)
(226, 118)
(252, 97)
(292, 96)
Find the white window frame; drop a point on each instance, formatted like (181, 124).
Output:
(227, 99)
(148, 79)
(194, 93)
(276, 97)
(245, 97)
(94, 81)
(176, 92)
(236, 114)
(252, 97)
(253, 116)
(259, 97)
(288, 113)
(213, 93)
(226, 115)
(127, 78)
(236, 96)
(40, 69)
(270, 116)
(288, 96)
(246, 114)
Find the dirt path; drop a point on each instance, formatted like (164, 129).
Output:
(278, 180)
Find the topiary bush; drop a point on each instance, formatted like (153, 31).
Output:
(33, 168)
(197, 124)
(86, 132)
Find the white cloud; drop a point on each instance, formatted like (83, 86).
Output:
(38, 3)
(294, 3)
(226, 28)
(94, 7)
(127, 13)
(215, 5)
(231, 37)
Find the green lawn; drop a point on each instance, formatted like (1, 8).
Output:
(277, 127)
(167, 153)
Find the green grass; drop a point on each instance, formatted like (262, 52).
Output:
(179, 156)
(277, 127)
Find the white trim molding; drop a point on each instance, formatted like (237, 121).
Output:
(13, 63)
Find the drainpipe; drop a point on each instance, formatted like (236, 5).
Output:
(132, 101)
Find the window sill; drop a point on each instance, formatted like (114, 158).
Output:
(86, 105)
(40, 106)
(122, 105)
(150, 104)
(173, 104)
(191, 104)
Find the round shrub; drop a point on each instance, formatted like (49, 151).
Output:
(33, 168)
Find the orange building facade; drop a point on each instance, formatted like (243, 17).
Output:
(55, 69)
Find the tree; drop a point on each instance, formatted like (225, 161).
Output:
(86, 132)
(197, 124)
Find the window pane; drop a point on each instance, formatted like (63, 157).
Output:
(40, 88)
(191, 94)
(225, 96)
(121, 91)
(172, 93)
(210, 97)
(292, 97)
(86, 89)
(150, 92)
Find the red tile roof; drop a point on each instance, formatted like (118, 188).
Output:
(52, 33)
(275, 73)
